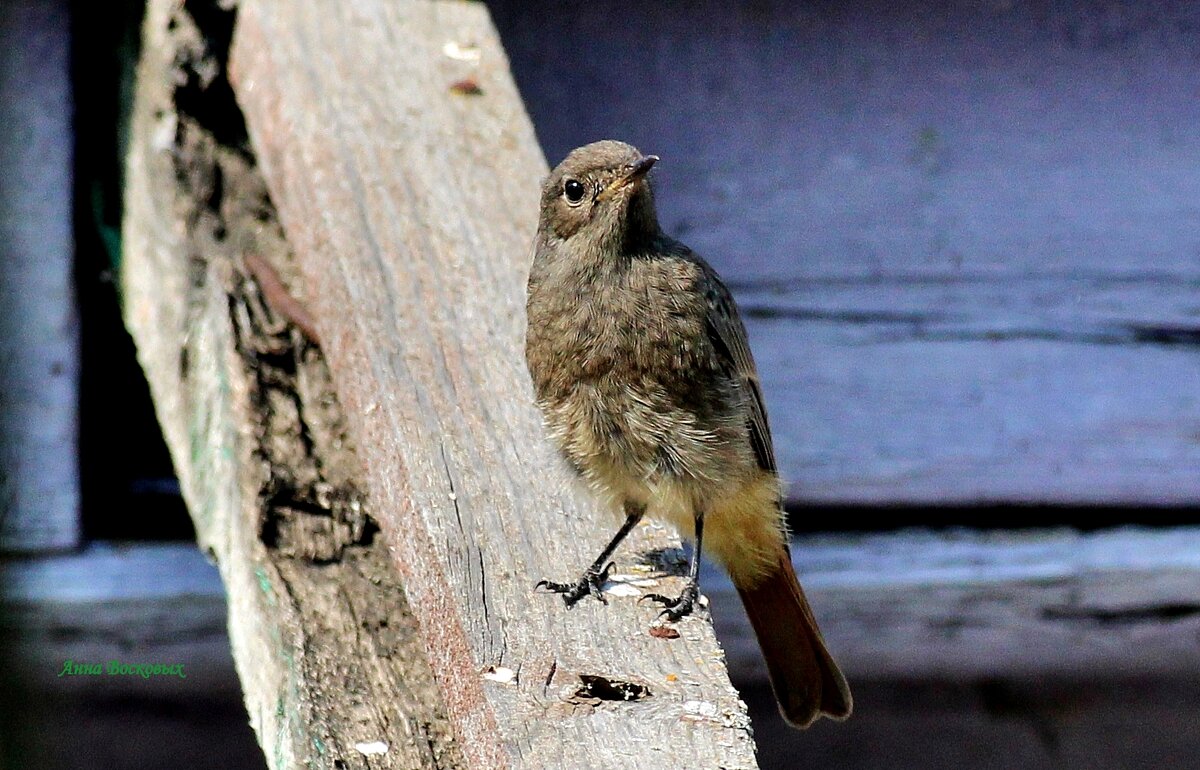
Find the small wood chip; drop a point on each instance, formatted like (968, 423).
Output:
(371, 748)
(499, 674)
(663, 632)
(461, 52)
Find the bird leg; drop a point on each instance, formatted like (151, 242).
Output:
(595, 575)
(683, 606)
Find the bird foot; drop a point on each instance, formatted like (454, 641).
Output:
(676, 609)
(591, 584)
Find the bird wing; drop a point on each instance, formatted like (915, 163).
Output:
(728, 336)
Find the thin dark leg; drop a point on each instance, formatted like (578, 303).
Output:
(595, 575)
(683, 606)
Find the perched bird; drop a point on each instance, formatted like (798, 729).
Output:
(643, 373)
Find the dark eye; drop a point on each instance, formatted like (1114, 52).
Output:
(573, 189)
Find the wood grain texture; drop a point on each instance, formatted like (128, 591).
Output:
(323, 642)
(965, 233)
(915, 605)
(411, 207)
(166, 603)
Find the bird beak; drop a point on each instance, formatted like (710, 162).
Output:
(640, 168)
(633, 172)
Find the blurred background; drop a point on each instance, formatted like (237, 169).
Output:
(966, 239)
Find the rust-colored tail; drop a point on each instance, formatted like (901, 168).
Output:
(806, 681)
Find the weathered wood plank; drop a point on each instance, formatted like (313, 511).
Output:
(1001, 605)
(166, 603)
(39, 326)
(827, 142)
(411, 208)
(971, 420)
(320, 633)
(916, 605)
(148, 604)
(966, 232)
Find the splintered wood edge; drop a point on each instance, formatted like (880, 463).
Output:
(358, 159)
(181, 322)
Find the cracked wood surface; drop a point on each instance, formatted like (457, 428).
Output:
(411, 205)
(323, 643)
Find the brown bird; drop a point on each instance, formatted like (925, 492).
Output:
(644, 375)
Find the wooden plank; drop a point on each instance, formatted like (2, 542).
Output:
(945, 138)
(916, 605)
(320, 633)
(39, 326)
(966, 232)
(159, 604)
(906, 419)
(166, 603)
(411, 208)
(971, 606)
(149, 604)
(1041, 724)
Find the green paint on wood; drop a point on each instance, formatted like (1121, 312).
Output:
(264, 583)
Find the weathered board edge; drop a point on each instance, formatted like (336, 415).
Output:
(432, 378)
(293, 620)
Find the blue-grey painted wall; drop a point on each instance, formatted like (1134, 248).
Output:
(967, 233)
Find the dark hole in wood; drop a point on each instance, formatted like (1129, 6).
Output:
(206, 93)
(603, 688)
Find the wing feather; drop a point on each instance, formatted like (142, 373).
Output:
(728, 336)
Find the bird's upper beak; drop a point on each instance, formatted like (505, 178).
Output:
(631, 173)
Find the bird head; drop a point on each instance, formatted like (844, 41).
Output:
(600, 194)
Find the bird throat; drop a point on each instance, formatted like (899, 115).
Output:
(639, 230)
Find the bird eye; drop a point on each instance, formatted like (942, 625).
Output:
(573, 189)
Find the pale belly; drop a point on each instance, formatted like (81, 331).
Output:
(663, 459)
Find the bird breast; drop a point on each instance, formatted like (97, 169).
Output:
(627, 379)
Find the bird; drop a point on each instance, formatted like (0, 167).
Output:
(643, 373)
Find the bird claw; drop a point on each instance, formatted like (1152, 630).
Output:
(591, 584)
(677, 608)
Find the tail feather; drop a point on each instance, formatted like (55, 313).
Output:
(806, 681)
